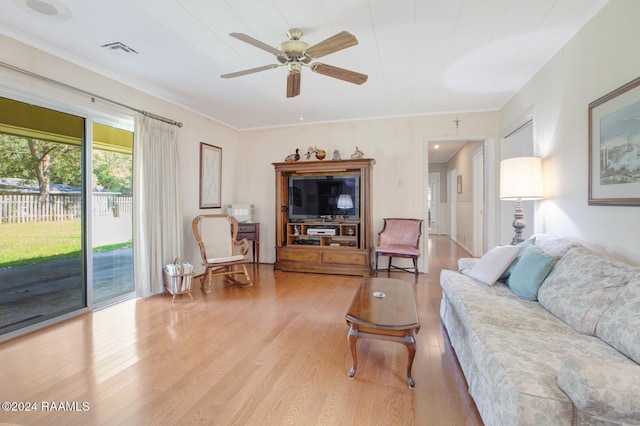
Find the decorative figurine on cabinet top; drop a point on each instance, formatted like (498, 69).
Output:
(357, 154)
(336, 155)
(293, 157)
(319, 153)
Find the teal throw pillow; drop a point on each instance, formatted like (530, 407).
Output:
(509, 270)
(529, 273)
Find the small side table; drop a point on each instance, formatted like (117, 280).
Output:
(251, 231)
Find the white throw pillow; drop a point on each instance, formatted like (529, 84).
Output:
(490, 266)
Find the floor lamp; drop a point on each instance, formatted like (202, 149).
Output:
(520, 179)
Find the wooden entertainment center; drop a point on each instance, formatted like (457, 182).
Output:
(330, 244)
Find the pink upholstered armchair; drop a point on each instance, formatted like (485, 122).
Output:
(400, 238)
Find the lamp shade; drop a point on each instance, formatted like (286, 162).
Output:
(345, 201)
(521, 178)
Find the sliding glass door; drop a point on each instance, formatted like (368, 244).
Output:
(111, 217)
(65, 235)
(41, 215)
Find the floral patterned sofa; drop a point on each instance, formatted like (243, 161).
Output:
(568, 356)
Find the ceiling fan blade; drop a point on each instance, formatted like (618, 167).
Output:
(257, 43)
(250, 71)
(333, 44)
(339, 73)
(293, 84)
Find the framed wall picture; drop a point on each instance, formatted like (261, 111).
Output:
(459, 184)
(210, 176)
(614, 147)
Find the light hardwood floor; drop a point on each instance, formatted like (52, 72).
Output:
(273, 354)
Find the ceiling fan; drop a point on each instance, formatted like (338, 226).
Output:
(295, 53)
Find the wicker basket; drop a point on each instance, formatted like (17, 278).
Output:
(177, 277)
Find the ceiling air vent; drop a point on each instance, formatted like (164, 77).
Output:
(118, 45)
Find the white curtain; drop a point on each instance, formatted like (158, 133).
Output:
(157, 223)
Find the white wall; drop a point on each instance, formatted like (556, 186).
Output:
(601, 58)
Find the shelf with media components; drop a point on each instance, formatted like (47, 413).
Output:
(343, 234)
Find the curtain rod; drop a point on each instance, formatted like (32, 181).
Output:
(92, 95)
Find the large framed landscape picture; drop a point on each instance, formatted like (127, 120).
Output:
(614, 147)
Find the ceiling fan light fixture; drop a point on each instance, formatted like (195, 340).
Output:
(293, 48)
(294, 66)
(294, 33)
(296, 53)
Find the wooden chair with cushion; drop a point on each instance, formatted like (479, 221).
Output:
(221, 253)
(399, 238)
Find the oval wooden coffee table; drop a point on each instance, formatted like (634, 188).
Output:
(385, 309)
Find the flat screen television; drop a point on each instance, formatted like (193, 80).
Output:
(313, 197)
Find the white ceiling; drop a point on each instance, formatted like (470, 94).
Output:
(422, 56)
(443, 151)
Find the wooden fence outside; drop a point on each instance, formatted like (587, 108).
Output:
(20, 208)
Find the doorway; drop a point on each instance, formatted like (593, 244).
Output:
(433, 204)
(468, 203)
